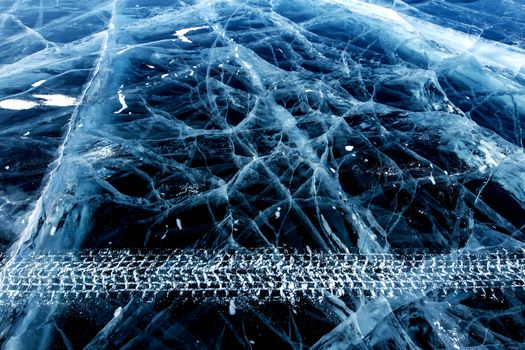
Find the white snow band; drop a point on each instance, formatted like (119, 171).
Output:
(257, 274)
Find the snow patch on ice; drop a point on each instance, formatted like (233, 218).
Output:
(57, 100)
(38, 83)
(17, 104)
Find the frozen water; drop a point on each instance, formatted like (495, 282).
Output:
(343, 127)
(256, 275)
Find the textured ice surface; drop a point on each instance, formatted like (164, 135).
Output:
(315, 126)
(258, 275)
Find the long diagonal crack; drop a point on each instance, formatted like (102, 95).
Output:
(260, 273)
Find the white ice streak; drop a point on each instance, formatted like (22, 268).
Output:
(17, 104)
(122, 100)
(432, 179)
(38, 83)
(57, 100)
(181, 33)
(54, 100)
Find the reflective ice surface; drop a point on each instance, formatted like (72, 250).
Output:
(327, 125)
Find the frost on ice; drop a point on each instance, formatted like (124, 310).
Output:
(242, 125)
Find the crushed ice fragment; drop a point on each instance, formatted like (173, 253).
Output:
(117, 312)
(231, 307)
(179, 223)
(432, 179)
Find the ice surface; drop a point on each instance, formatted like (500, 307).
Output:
(324, 126)
(256, 275)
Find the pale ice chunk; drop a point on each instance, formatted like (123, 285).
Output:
(118, 311)
(432, 179)
(38, 83)
(231, 307)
